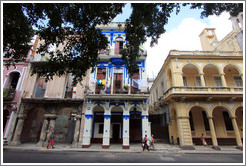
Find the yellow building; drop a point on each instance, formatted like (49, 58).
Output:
(202, 92)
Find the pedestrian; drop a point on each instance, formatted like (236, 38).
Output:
(51, 140)
(145, 143)
(151, 140)
(203, 140)
(172, 140)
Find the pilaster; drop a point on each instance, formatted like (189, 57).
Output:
(145, 127)
(52, 119)
(43, 132)
(18, 130)
(106, 131)
(185, 137)
(76, 131)
(126, 119)
(87, 126)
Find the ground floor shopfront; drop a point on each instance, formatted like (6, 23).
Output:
(37, 118)
(115, 119)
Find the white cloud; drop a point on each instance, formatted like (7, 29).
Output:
(185, 38)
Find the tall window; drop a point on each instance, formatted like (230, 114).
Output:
(118, 45)
(217, 81)
(205, 121)
(40, 87)
(185, 81)
(135, 76)
(238, 81)
(227, 120)
(101, 75)
(198, 81)
(69, 88)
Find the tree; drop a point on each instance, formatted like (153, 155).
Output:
(74, 26)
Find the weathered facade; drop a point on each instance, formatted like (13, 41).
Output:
(201, 92)
(13, 80)
(116, 107)
(49, 106)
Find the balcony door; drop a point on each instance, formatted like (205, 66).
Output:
(117, 82)
(101, 75)
(118, 45)
(135, 76)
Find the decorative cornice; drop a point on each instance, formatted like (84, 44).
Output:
(88, 116)
(126, 117)
(107, 116)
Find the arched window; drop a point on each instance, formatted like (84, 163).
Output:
(12, 80)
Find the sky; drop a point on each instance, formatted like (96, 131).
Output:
(182, 33)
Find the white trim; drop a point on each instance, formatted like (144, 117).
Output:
(5, 80)
(7, 76)
(24, 68)
(9, 124)
(19, 80)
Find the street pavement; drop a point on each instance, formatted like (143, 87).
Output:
(161, 148)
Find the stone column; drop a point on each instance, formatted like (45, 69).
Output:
(12, 126)
(202, 79)
(106, 131)
(51, 127)
(87, 128)
(82, 123)
(237, 134)
(213, 134)
(18, 130)
(6, 130)
(145, 127)
(222, 75)
(241, 76)
(87, 131)
(42, 138)
(126, 120)
(76, 131)
(185, 137)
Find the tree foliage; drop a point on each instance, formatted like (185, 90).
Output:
(73, 25)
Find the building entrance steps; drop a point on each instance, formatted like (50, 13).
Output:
(134, 147)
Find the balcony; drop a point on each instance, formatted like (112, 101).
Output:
(204, 93)
(124, 90)
(8, 94)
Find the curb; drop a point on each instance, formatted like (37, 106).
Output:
(124, 151)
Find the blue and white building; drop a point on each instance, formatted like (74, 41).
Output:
(116, 104)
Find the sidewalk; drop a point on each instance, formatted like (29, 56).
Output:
(134, 148)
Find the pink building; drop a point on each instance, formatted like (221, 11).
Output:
(13, 79)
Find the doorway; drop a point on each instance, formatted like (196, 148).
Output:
(135, 126)
(117, 82)
(116, 132)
